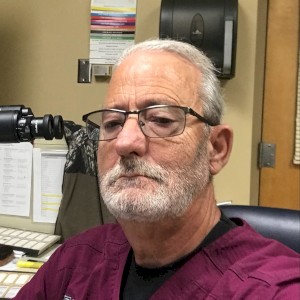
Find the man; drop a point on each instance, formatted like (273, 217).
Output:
(161, 141)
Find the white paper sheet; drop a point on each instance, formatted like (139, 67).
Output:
(48, 170)
(15, 178)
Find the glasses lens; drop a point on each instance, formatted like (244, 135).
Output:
(162, 121)
(104, 125)
(93, 126)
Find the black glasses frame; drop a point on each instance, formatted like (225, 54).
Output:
(186, 110)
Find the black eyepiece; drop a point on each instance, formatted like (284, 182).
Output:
(18, 124)
(42, 127)
(58, 127)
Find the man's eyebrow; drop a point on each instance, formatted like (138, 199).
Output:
(143, 103)
(150, 102)
(115, 106)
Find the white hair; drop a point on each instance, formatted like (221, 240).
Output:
(209, 87)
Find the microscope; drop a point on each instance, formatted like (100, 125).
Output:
(18, 124)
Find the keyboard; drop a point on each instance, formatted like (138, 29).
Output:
(30, 242)
(12, 282)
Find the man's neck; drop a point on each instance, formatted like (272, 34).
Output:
(159, 243)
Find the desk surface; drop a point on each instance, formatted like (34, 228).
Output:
(12, 278)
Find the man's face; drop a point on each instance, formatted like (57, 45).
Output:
(147, 179)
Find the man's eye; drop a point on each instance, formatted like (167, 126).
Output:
(112, 125)
(162, 121)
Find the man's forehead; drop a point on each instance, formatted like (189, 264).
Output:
(150, 78)
(148, 59)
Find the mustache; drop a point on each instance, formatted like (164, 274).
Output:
(136, 166)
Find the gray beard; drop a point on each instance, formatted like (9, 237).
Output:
(168, 194)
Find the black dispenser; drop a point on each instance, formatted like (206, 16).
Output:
(210, 25)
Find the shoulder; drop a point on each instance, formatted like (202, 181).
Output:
(248, 260)
(97, 237)
(97, 250)
(92, 244)
(242, 244)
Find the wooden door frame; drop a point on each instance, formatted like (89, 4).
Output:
(282, 46)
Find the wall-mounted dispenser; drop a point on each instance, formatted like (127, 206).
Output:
(210, 25)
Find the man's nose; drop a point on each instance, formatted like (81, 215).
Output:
(131, 139)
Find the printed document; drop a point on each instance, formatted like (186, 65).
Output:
(15, 178)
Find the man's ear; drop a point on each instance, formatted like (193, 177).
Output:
(219, 147)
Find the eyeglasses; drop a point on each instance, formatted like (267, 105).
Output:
(158, 121)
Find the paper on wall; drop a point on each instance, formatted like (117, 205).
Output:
(15, 178)
(112, 29)
(48, 170)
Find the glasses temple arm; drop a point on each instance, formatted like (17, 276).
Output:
(199, 117)
(85, 119)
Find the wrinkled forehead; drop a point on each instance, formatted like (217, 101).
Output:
(159, 76)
